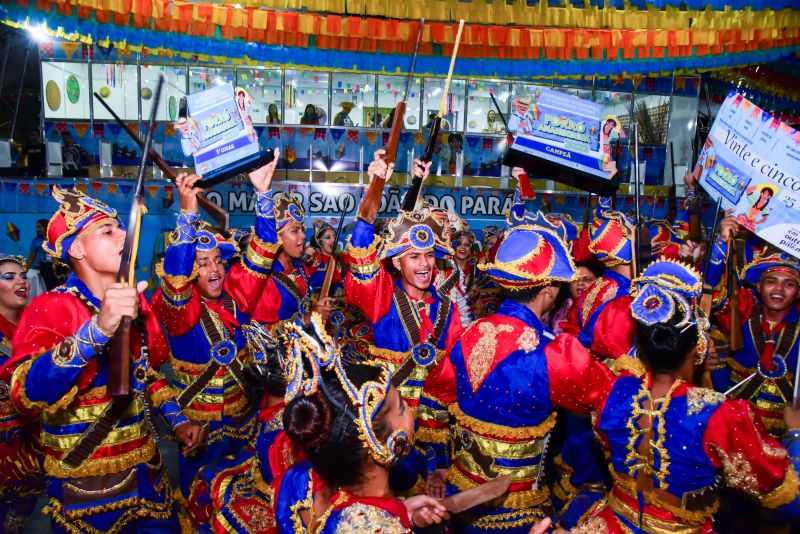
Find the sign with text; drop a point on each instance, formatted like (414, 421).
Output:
(565, 133)
(218, 132)
(752, 161)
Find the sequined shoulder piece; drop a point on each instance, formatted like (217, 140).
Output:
(359, 518)
(600, 292)
(698, 398)
(488, 341)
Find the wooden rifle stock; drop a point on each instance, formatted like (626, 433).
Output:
(326, 283)
(219, 215)
(368, 210)
(736, 342)
(119, 365)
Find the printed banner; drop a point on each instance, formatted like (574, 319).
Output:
(563, 129)
(218, 132)
(752, 161)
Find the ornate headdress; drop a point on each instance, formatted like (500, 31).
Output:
(288, 208)
(490, 231)
(76, 214)
(559, 223)
(530, 256)
(665, 287)
(611, 235)
(320, 227)
(761, 265)
(19, 260)
(418, 229)
(309, 356)
(663, 239)
(208, 238)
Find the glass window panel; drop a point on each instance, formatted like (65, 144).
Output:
(66, 90)
(201, 78)
(483, 116)
(174, 90)
(353, 102)
(453, 117)
(118, 85)
(306, 95)
(390, 93)
(264, 88)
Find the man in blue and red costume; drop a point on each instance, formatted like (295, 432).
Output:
(504, 415)
(765, 366)
(203, 308)
(288, 291)
(21, 477)
(105, 472)
(414, 326)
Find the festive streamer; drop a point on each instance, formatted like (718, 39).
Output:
(563, 52)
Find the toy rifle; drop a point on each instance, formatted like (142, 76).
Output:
(326, 283)
(587, 213)
(525, 187)
(120, 362)
(708, 291)
(410, 200)
(642, 246)
(219, 215)
(736, 342)
(368, 209)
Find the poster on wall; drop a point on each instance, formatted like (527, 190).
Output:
(752, 161)
(562, 133)
(218, 131)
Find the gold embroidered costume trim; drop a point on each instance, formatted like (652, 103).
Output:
(500, 431)
(652, 524)
(20, 377)
(695, 517)
(101, 466)
(627, 363)
(517, 500)
(784, 493)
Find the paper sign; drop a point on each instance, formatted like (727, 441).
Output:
(752, 161)
(218, 131)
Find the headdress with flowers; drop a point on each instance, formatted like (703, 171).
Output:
(665, 288)
(309, 356)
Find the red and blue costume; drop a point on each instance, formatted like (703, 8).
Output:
(421, 332)
(503, 414)
(287, 293)
(21, 473)
(60, 372)
(768, 357)
(668, 456)
(209, 348)
(345, 512)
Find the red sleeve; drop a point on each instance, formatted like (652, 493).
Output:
(47, 321)
(454, 330)
(368, 285)
(615, 329)
(753, 462)
(578, 382)
(177, 319)
(157, 344)
(746, 305)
